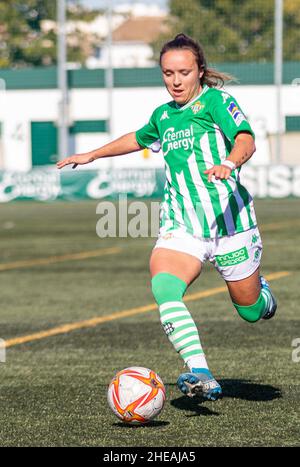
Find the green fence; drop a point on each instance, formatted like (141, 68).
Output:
(46, 78)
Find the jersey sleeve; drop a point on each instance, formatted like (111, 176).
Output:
(228, 115)
(148, 134)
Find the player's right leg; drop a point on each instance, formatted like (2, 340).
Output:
(172, 271)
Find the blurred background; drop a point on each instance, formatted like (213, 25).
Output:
(76, 73)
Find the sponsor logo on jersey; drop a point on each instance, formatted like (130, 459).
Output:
(233, 258)
(236, 113)
(181, 139)
(164, 115)
(197, 107)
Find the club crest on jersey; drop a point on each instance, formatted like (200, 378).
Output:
(236, 113)
(197, 106)
(164, 115)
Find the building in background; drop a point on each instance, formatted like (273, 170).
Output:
(100, 109)
(131, 43)
(29, 114)
(134, 28)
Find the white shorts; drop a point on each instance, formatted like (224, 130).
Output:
(235, 257)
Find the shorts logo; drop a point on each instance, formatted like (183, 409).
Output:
(257, 255)
(236, 113)
(233, 258)
(254, 238)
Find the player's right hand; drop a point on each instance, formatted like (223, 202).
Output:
(78, 159)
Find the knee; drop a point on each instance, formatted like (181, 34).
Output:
(247, 313)
(167, 287)
(251, 313)
(158, 288)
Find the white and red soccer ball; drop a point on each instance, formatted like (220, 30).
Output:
(136, 395)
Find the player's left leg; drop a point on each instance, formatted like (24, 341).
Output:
(252, 298)
(237, 258)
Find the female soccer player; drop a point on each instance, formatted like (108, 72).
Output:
(206, 213)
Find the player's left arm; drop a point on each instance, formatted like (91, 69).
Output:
(229, 117)
(243, 149)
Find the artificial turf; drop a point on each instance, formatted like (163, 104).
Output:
(53, 390)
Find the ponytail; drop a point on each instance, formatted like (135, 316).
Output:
(214, 78)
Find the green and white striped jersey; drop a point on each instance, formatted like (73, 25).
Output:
(193, 138)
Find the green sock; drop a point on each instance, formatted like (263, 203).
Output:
(176, 320)
(253, 313)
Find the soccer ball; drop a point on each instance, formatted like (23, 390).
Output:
(136, 395)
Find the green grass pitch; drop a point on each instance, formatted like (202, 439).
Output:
(53, 390)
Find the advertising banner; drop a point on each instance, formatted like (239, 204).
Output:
(51, 184)
(278, 181)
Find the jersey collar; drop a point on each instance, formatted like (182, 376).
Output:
(204, 89)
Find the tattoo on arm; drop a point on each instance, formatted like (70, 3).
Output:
(242, 152)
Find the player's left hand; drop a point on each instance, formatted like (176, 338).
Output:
(220, 172)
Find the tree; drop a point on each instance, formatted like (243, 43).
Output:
(23, 40)
(235, 31)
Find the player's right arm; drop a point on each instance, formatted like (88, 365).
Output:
(123, 145)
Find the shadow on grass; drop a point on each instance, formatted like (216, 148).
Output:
(193, 405)
(232, 388)
(153, 424)
(246, 390)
